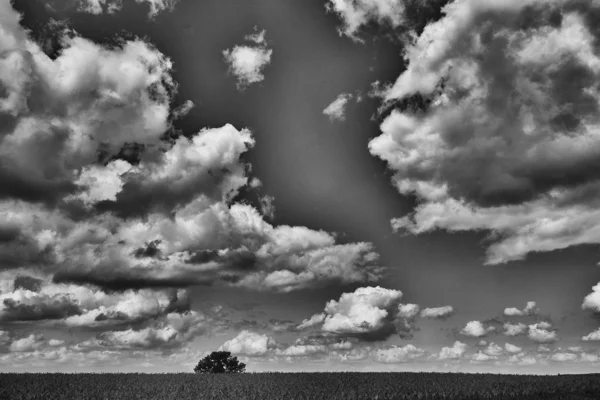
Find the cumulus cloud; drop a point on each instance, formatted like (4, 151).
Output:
(316, 319)
(120, 207)
(74, 305)
(476, 329)
(368, 313)
(355, 14)
(27, 344)
(511, 348)
(542, 333)
(173, 330)
(437, 312)
(337, 109)
(408, 311)
(592, 337)
(514, 329)
(592, 300)
(249, 344)
(507, 142)
(397, 354)
(457, 351)
(112, 6)
(247, 62)
(530, 309)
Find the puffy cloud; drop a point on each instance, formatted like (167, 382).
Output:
(493, 350)
(99, 191)
(302, 350)
(74, 305)
(511, 348)
(408, 311)
(530, 309)
(542, 333)
(356, 13)
(592, 300)
(437, 312)
(398, 354)
(476, 329)
(562, 357)
(173, 330)
(27, 344)
(316, 319)
(337, 109)
(249, 344)
(514, 329)
(508, 139)
(592, 337)
(482, 357)
(112, 6)
(457, 351)
(246, 62)
(368, 312)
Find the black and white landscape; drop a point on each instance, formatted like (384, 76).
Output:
(310, 185)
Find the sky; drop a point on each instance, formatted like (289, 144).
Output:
(324, 185)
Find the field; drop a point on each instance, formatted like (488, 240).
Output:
(299, 386)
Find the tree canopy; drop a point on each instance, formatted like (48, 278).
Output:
(220, 362)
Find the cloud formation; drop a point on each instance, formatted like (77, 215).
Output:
(542, 333)
(530, 309)
(476, 329)
(249, 344)
(336, 111)
(368, 313)
(112, 6)
(437, 312)
(355, 14)
(247, 62)
(506, 143)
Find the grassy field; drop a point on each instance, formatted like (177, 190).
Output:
(299, 386)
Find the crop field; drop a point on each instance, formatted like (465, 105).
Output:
(298, 386)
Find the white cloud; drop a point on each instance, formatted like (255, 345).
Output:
(482, 357)
(511, 348)
(249, 344)
(493, 350)
(476, 329)
(316, 319)
(592, 337)
(248, 62)
(542, 333)
(112, 6)
(356, 13)
(398, 354)
(368, 310)
(302, 350)
(27, 344)
(457, 351)
(337, 109)
(437, 312)
(408, 311)
(498, 150)
(592, 300)
(562, 357)
(514, 329)
(530, 309)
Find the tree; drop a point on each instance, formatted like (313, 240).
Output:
(220, 362)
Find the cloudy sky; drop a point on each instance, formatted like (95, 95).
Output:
(371, 185)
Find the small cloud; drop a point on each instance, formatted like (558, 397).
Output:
(514, 329)
(457, 350)
(437, 312)
(542, 333)
(530, 309)
(337, 109)
(248, 62)
(592, 337)
(249, 344)
(476, 329)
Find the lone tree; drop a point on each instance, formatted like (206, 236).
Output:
(219, 362)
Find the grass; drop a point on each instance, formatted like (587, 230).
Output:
(299, 386)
